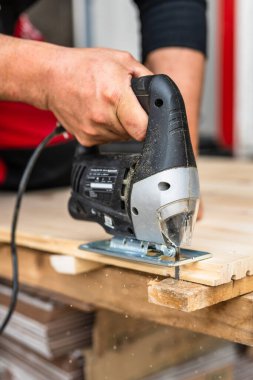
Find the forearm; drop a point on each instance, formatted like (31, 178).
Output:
(24, 67)
(88, 90)
(186, 67)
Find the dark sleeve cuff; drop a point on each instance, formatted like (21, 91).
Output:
(178, 23)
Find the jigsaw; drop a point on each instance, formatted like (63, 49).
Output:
(148, 197)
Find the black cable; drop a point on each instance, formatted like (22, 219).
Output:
(21, 189)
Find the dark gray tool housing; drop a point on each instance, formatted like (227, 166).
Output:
(110, 188)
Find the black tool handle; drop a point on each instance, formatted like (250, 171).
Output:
(141, 87)
(167, 144)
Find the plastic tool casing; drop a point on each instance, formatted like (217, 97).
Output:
(152, 195)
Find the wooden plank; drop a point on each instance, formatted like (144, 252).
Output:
(139, 355)
(226, 230)
(113, 330)
(219, 364)
(72, 265)
(125, 291)
(176, 294)
(186, 296)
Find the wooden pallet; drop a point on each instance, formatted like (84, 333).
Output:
(226, 229)
(131, 349)
(125, 291)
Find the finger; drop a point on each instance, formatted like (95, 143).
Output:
(112, 129)
(131, 115)
(114, 125)
(102, 137)
(140, 70)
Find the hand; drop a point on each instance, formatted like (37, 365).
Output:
(89, 91)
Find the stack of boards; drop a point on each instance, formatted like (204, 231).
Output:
(218, 364)
(44, 339)
(225, 364)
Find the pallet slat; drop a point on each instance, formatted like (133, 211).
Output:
(226, 230)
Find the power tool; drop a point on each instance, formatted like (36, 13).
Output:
(147, 199)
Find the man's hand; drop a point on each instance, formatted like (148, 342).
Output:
(88, 90)
(90, 94)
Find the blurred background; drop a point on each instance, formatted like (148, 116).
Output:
(38, 344)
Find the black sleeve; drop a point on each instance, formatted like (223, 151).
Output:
(180, 23)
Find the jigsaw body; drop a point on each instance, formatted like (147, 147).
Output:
(148, 200)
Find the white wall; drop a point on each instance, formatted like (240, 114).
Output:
(209, 112)
(116, 25)
(244, 78)
(79, 27)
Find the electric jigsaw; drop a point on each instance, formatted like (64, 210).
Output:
(146, 198)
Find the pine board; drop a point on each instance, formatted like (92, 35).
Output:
(187, 296)
(125, 291)
(226, 229)
(134, 356)
(114, 332)
(218, 364)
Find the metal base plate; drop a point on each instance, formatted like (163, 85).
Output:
(135, 250)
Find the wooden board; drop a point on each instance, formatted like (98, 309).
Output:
(226, 229)
(72, 265)
(219, 364)
(186, 296)
(113, 332)
(131, 355)
(125, 291)
(176, 294)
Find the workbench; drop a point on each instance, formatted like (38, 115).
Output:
(212, 296)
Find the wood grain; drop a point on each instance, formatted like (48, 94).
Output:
(134, 354)
(72, 265)
(226, 229)
(125, 291)
(186, 296)
(176, 294)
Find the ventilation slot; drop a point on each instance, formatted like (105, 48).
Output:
(77, 175)
(73, 174)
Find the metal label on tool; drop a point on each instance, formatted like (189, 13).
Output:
(108, 221)
(100, 182)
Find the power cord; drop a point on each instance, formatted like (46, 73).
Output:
(21, 190)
